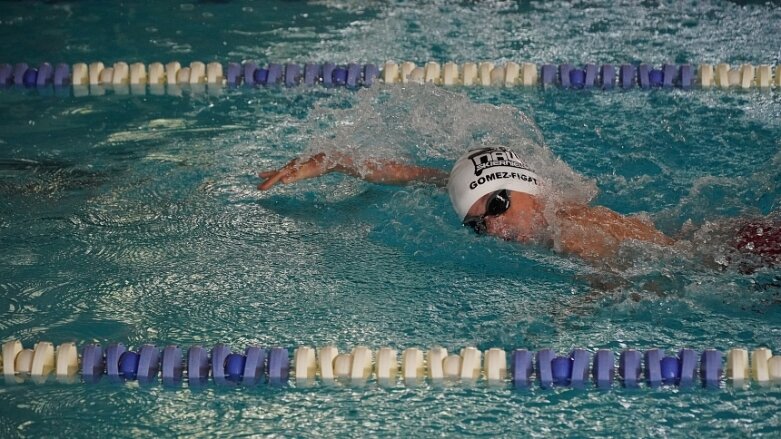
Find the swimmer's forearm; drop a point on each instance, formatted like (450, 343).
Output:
(387, 171)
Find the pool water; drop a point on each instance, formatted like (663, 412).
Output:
(136, 218)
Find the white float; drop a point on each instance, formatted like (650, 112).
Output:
(10, 350)
(469, 73)
(305, 363)
(387, 364)
(484, 72)
(759, 365)
(495, 365)
(432, 73)
(67, 360)
(737, 364)
(214, 73)
(325, 361)
(171, 72)
(95, 70)
(80, 74)
(529, 74)
(406, 69)
(705, 75)
(511, 73)
(450, 74)
(412, 364)
(390, 72)
(436, 356)
(197, 72)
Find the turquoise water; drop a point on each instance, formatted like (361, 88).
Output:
(136, 218)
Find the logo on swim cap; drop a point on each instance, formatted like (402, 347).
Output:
(489, 157)
(486, 170)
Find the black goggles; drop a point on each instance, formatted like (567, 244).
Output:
(497, 204)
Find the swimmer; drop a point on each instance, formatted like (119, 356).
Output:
(494, 192)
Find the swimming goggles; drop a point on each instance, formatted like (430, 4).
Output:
(497, 204)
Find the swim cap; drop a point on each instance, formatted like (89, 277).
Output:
(485, 170)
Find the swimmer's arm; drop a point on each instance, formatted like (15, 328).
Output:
(379, 171)
(594, 233)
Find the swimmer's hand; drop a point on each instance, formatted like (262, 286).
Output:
(296, 169)
(379, 171)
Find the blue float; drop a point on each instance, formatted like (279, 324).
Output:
(591, 75)
(656, 78)
(233, 74)
(274, 74)
(543, 367)
(710, 368)
(260, 77)
(521, 367)
(561, 370)
(653, 367)
(278, 366)
(608, 74)
(113, 352)
(30, 77)
(627, 76)
(292, 75)
(577, 78)
(234, 367)
(249, 72)
(564, 70)
(6, 74)
(255, 365)
(688, 367)
(353, 75)
(312, 73)
(340, 76)
(579, 373)
(604, 368)
(629, 367)
(670, 370)
(548, 74)
(220, 353)
(128, 365)
(643, 76)
(45, 73)
(62, 74)
(197, 365)
(148, 362)
(328, 74)
(19, 70)
(92, 363)
(668, 75)
(171, 365)
(370, 74)
(687, 76)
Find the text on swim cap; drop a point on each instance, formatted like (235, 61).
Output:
(491, 157)
(497, 175)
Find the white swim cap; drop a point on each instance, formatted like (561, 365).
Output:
(485, 170)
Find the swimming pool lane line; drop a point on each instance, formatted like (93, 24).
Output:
(257, 365)
(137, 78)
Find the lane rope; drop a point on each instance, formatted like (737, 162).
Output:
(275, 366)
(97, 78)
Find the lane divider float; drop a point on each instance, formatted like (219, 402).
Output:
(97, 78)
(275, 366)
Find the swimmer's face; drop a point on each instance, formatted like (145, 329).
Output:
(510, 215)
